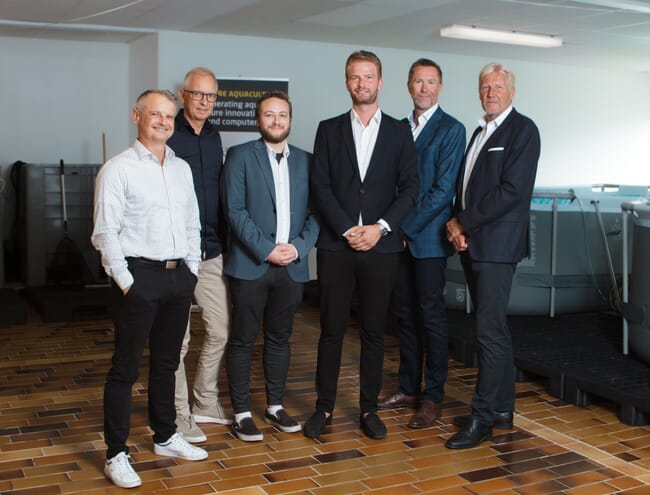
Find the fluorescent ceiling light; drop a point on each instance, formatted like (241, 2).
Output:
(495, 36)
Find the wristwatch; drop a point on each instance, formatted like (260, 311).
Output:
(383, 229)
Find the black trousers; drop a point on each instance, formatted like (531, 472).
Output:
(419, 303)
(489, 286)
(374, 276)
(269, 302)
(155, 308)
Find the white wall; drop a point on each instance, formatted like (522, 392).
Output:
(60, 96)
(595, 124)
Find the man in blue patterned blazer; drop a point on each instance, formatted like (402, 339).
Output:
(419, 291)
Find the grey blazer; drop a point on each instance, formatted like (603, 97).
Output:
(248, 196)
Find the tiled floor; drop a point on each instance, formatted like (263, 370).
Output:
(51, 382)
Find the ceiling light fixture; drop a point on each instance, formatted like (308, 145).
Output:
(497, 36)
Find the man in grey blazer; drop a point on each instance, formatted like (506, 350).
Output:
(265, 189)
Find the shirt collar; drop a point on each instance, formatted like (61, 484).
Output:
(271, 152)
(143, 152)
(424, 118)
(498, 121)
(376, 118)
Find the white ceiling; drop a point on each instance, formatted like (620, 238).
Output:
(613, 34)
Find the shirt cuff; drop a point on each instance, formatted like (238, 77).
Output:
(384, 223)
(123, 279)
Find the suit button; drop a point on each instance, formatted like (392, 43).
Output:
(272, 235)
(362, 191)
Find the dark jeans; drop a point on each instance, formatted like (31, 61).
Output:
(423, 333)
(155, 308)
(374, 275)
(489, 286)
(270, 301)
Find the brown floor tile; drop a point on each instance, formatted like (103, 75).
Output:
(51, 388)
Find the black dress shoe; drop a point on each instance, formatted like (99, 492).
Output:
(372, 426)
(502, 421)
(472, 434)
(315, 425)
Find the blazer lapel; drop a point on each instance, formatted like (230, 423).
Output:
(429, 128)
(348, 141)
(262, 158)
(383, 140)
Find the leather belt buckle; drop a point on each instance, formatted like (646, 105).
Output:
(171, 265)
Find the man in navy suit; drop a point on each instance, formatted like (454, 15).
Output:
(265, 189)
(419, 292)
(490, 230)
(363, 183)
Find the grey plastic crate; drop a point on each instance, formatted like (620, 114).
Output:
(41, 218)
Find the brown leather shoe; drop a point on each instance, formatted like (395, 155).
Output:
(427, 415)
(398, 399)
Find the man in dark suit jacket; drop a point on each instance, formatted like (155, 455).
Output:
(490, 230)
(418, 298)
(265, 187)
(363, 183)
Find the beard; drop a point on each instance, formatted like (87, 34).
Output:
(274, 138)
(364, 98)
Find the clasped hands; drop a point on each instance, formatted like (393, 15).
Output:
(456, 235)
(282, 254)
(363, 237)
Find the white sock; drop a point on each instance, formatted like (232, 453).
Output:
(240, 416)
(273, 409)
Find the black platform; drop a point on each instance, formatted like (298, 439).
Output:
(580, 355)
(63, 303)
(13, 308)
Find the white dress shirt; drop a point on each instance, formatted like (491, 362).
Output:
(479, 142)
(422, 120)
(143, 209)
(365, 138)
(280, 172)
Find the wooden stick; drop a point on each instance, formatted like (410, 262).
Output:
(103, 147)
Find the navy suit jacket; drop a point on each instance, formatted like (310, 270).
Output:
(440, 147)
(497, 214)
(248, 193)
(388, 191)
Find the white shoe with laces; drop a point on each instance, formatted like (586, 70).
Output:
(118, 469)
(177, 446)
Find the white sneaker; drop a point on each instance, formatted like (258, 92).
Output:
(118, 469)
(177, 446)
(186, 426)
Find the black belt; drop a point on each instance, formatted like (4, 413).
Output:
(165, 264)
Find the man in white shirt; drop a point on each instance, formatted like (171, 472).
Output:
(147, 230)
(265, 190)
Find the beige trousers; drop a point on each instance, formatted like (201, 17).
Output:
(211, 295)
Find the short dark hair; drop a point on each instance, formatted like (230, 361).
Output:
(273, 94)
(363, 56)
(424, 62)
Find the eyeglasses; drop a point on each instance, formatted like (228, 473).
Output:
(199, 95)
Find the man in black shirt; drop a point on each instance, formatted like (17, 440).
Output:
(198, 142)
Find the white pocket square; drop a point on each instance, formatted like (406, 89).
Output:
(498, 148)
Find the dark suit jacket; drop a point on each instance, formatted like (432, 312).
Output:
(388, 191)
(440, 147)
(496, 219)
(248, 192)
